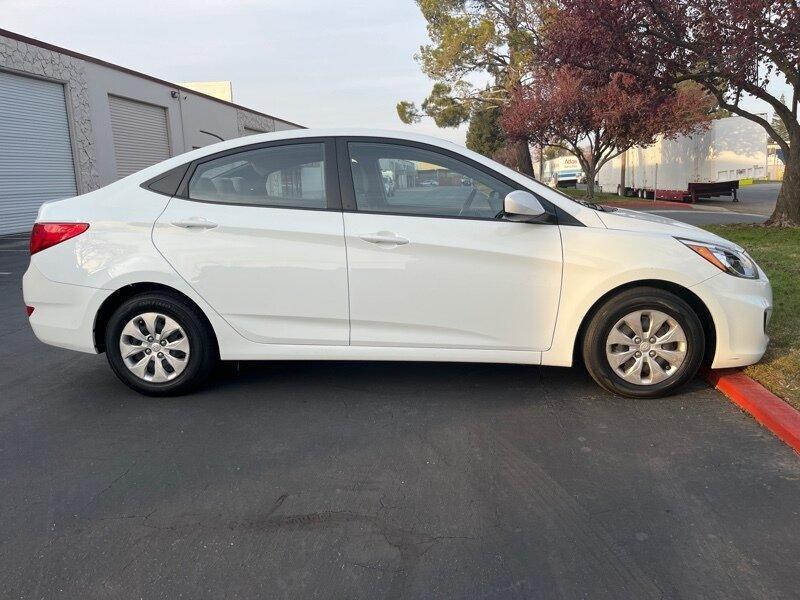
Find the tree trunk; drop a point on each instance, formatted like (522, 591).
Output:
(787, 209)
(623, 166)
(591, 175)
(521, 153)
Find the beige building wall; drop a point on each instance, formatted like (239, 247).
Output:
(218, 89)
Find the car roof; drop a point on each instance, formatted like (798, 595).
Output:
(293, 134)
(353, 132)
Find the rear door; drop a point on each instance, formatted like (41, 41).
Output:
(258, 233)
(432, 261)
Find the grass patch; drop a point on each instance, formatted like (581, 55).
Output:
(777, 251)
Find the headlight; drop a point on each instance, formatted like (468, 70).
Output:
(734, 262)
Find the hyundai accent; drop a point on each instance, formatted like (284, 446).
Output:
(288, 246)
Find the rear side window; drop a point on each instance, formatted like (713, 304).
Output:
(167, 183)
(291, 176)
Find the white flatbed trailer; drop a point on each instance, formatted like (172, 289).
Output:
(690, 168)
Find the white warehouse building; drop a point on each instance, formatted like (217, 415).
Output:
(70, 123)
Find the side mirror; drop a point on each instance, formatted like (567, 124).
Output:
(522, 206)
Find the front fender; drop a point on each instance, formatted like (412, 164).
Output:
(598, 261)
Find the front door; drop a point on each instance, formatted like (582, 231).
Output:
(432, 262)
(259, 236)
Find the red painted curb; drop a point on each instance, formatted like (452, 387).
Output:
(764, 406)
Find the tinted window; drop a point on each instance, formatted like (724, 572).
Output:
(168, 182)
(290, 176)
(412, 181)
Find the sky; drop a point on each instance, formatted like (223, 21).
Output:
(319, 63)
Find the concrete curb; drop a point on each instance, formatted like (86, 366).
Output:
(764, 406)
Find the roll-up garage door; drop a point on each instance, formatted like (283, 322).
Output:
(35, 151)
(140, 134)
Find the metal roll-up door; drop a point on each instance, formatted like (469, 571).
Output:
(35, 151)
(140, 134)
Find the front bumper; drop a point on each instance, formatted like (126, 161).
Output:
(63, 314)
(740, 309)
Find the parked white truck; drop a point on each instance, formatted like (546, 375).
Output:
(563, 171)
(689, 168)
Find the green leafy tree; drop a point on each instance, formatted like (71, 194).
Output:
(485, 135)
(468, 38)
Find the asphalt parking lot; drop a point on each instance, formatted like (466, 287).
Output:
(755, 205)
(348, 480)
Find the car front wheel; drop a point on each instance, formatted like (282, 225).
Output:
(158, 344)
(644, 343)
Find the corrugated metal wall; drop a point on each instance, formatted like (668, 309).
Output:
(35, 151)
(140, 134)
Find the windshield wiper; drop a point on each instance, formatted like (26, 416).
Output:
(595, 206)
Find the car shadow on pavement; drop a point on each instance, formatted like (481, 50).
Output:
(435, 380)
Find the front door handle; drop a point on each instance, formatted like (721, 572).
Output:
(195, 223)
(384, 237)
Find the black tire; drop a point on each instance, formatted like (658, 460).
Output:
(624, 303)
(203, 352)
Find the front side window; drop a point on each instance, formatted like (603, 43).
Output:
(291, 176)
(391, 178)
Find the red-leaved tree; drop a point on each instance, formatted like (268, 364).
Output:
(597, 117)
(735, 49)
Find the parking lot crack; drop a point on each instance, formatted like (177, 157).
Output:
(108, 487)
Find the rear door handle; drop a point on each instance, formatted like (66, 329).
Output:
(384, 238)
(195, 223)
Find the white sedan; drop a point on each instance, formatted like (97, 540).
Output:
(286, 246)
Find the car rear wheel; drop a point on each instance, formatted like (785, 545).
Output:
(644, 343)
(158, 344)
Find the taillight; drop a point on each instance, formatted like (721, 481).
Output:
(29, 310)
(45, 235)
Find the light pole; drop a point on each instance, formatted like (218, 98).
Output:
(766, 148)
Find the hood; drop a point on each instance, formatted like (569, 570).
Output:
(633, 220)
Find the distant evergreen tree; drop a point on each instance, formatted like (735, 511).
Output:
(484, 135)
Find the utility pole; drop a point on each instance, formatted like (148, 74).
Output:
(541, 163)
